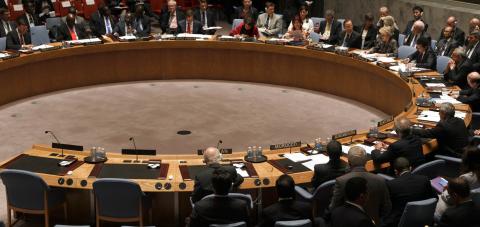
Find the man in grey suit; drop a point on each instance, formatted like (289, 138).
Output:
(270, 24)
(378, 204)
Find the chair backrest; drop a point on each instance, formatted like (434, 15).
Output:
(39, 35)
(53, 22)
(315, 37)
(341, 22)
(405, 51)
(317, 20)
(236, 22)
(433, 44)
(442, 62)
(3, 43)
(24, 189)
(245, 197)
(418, 213)
(475, 194)
(401, 39)
(236, 224)
(295, 223)
(117, 198)
(430, 169)
(322, 196)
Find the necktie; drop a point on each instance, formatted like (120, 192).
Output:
(414, 40)
(267, 24)
(6, 27)
(22, 40)
(73, 34)
(189, 27)
(108, 27)
(139, 23)
(31, 21)
(203, 18)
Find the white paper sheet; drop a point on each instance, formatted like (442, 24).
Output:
(444, 99)
(434, 116)
(90, 2)
(368, 149)
(18, 7)
(386, 59)
(316, 159)
(66, 4)
(43, 46)
(297, 157)
(435, 85)
(242, 172)
(213, 28)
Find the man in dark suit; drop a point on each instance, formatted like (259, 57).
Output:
(101, 21)
(352, 213)
(20, 37)
(203, 180)
(125, 26)
(70, 30)
(190, 25)
(5, 24)
(447, 43)
(205, 16)
(245, 10)
(287, 208)
(473, 49)
(458, 68)
(141, 21)
(368, 41)
(424, 57)
(30, 16)
(378, 204)
(170, 18)
(457, 33)
(331, 170)
(471, 96)
(417, 16)
(219, 209)
(465, 213)
(349, 38)
(330, 28)
(450, 132)
(418, 31)
(409, 146)
(407, 187)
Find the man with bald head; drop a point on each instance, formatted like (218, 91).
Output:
(474, 25)
(447, 43)
(203, 180)
(418, 31)
(471, 96)
(408, 146)
(417, 12)
(71, 30)
(378, 204)
(458, 68)
(457, 34)
(170, 18)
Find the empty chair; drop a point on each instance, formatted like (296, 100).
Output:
(418, 213)
(236, 22)
(3, 43)
(28, 193)
(315, 37)
(320, 198)
(442, 62)
(430, 169)
(39, 35)
(119, 200)
(452, 165)
(401, 39)
(405, 51)
(295, 223)
(236, 224)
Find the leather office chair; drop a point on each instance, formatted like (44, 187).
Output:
(320, 198)
(245, 197)
(401, 39)
(418, 213)
(295, 223)
(315, 37)
(342, 21)
(39, 35)
(236, 22)
(3, 43)
(317, 20)
(442, 62)
(405, 51)
(120, 200)
(452, 165)
(430, 169)
(433, 44)
(28, 193)
(237, 224)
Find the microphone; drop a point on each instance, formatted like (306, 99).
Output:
(218, 143)
(135, 147)
(56, 139)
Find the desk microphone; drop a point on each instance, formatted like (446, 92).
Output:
(55, 137)
(219, 142)
(135, 147)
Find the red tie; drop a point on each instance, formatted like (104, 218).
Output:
(72, 34)
(189, 28)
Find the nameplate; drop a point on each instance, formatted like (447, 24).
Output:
(385, 121)
(285, 145)
(67, 146)
(139, 151)
(222, 151)
(344, 134)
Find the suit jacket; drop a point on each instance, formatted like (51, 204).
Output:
(36, 19)
(471, 97)
(142, 25)
(328, 171)
(218, 210)
(458, 75)
(408, 29)
(2, 29)
(406, 188)
(239, 13)
(203, 181)
(275, 24)
(474, 53)
(97, 24)
(446, 47)
(427, 60)
(409, 147)
(120, 28)
(197, 27)
(378, 204)
(349, 215)
(465, 215)
(458, 35)
(285, 210)
(451, 134)
(165, 17)
(370, 38)
(412, 38)
(64, 32)
(386, 48)
(335, 30)
(354, 41)
(211, 19)
(13, 42)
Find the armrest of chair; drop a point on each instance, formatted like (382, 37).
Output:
(386, 177)
(449, 159)
(303, 193)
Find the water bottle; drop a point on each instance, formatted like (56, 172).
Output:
(254, 151)
(319, 145)
(260, 152)
(249, 152)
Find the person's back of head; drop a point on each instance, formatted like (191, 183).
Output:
(334, 150)
(356, 190)
(403, 126)
(221, 181)
(447, 111)
(459, 190)
(212, 155)
(357, 156)
(285, 186)
(401, 165)
(471, 161)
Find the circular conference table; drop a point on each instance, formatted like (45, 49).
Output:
(40, 73)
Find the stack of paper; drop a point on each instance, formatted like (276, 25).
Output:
(368, 149)
(386, 59)
(127, 37)
(40, 47)
(242, 172)
(297, 157)
(316, 159)
(435, 85)
(434, 116)
(212, 28)
(3, 55)
(444, 99)
(83, 41)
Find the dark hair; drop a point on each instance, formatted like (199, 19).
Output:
(269, 4)
(347, 20)
(249, 20)
(221, 181)
(417, 8)
(189, 13)
(355, 187)
(285, 186)
(401, 164)
(459, 186)
(72, 10)
(295, 19)
(3, 11)
(471, 160)
(368, 16)
(21, 21)
(303, 7)
(334, 150)
(423, 42)
(202, 1)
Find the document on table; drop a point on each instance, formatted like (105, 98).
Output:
(435, 85)
(212, 28)
(368, 149)
(242, 172)
(386, 59)
(434, 116)
(444, 99)
(297, 157)
(40, 47)
(127, 37)
(316, 159)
